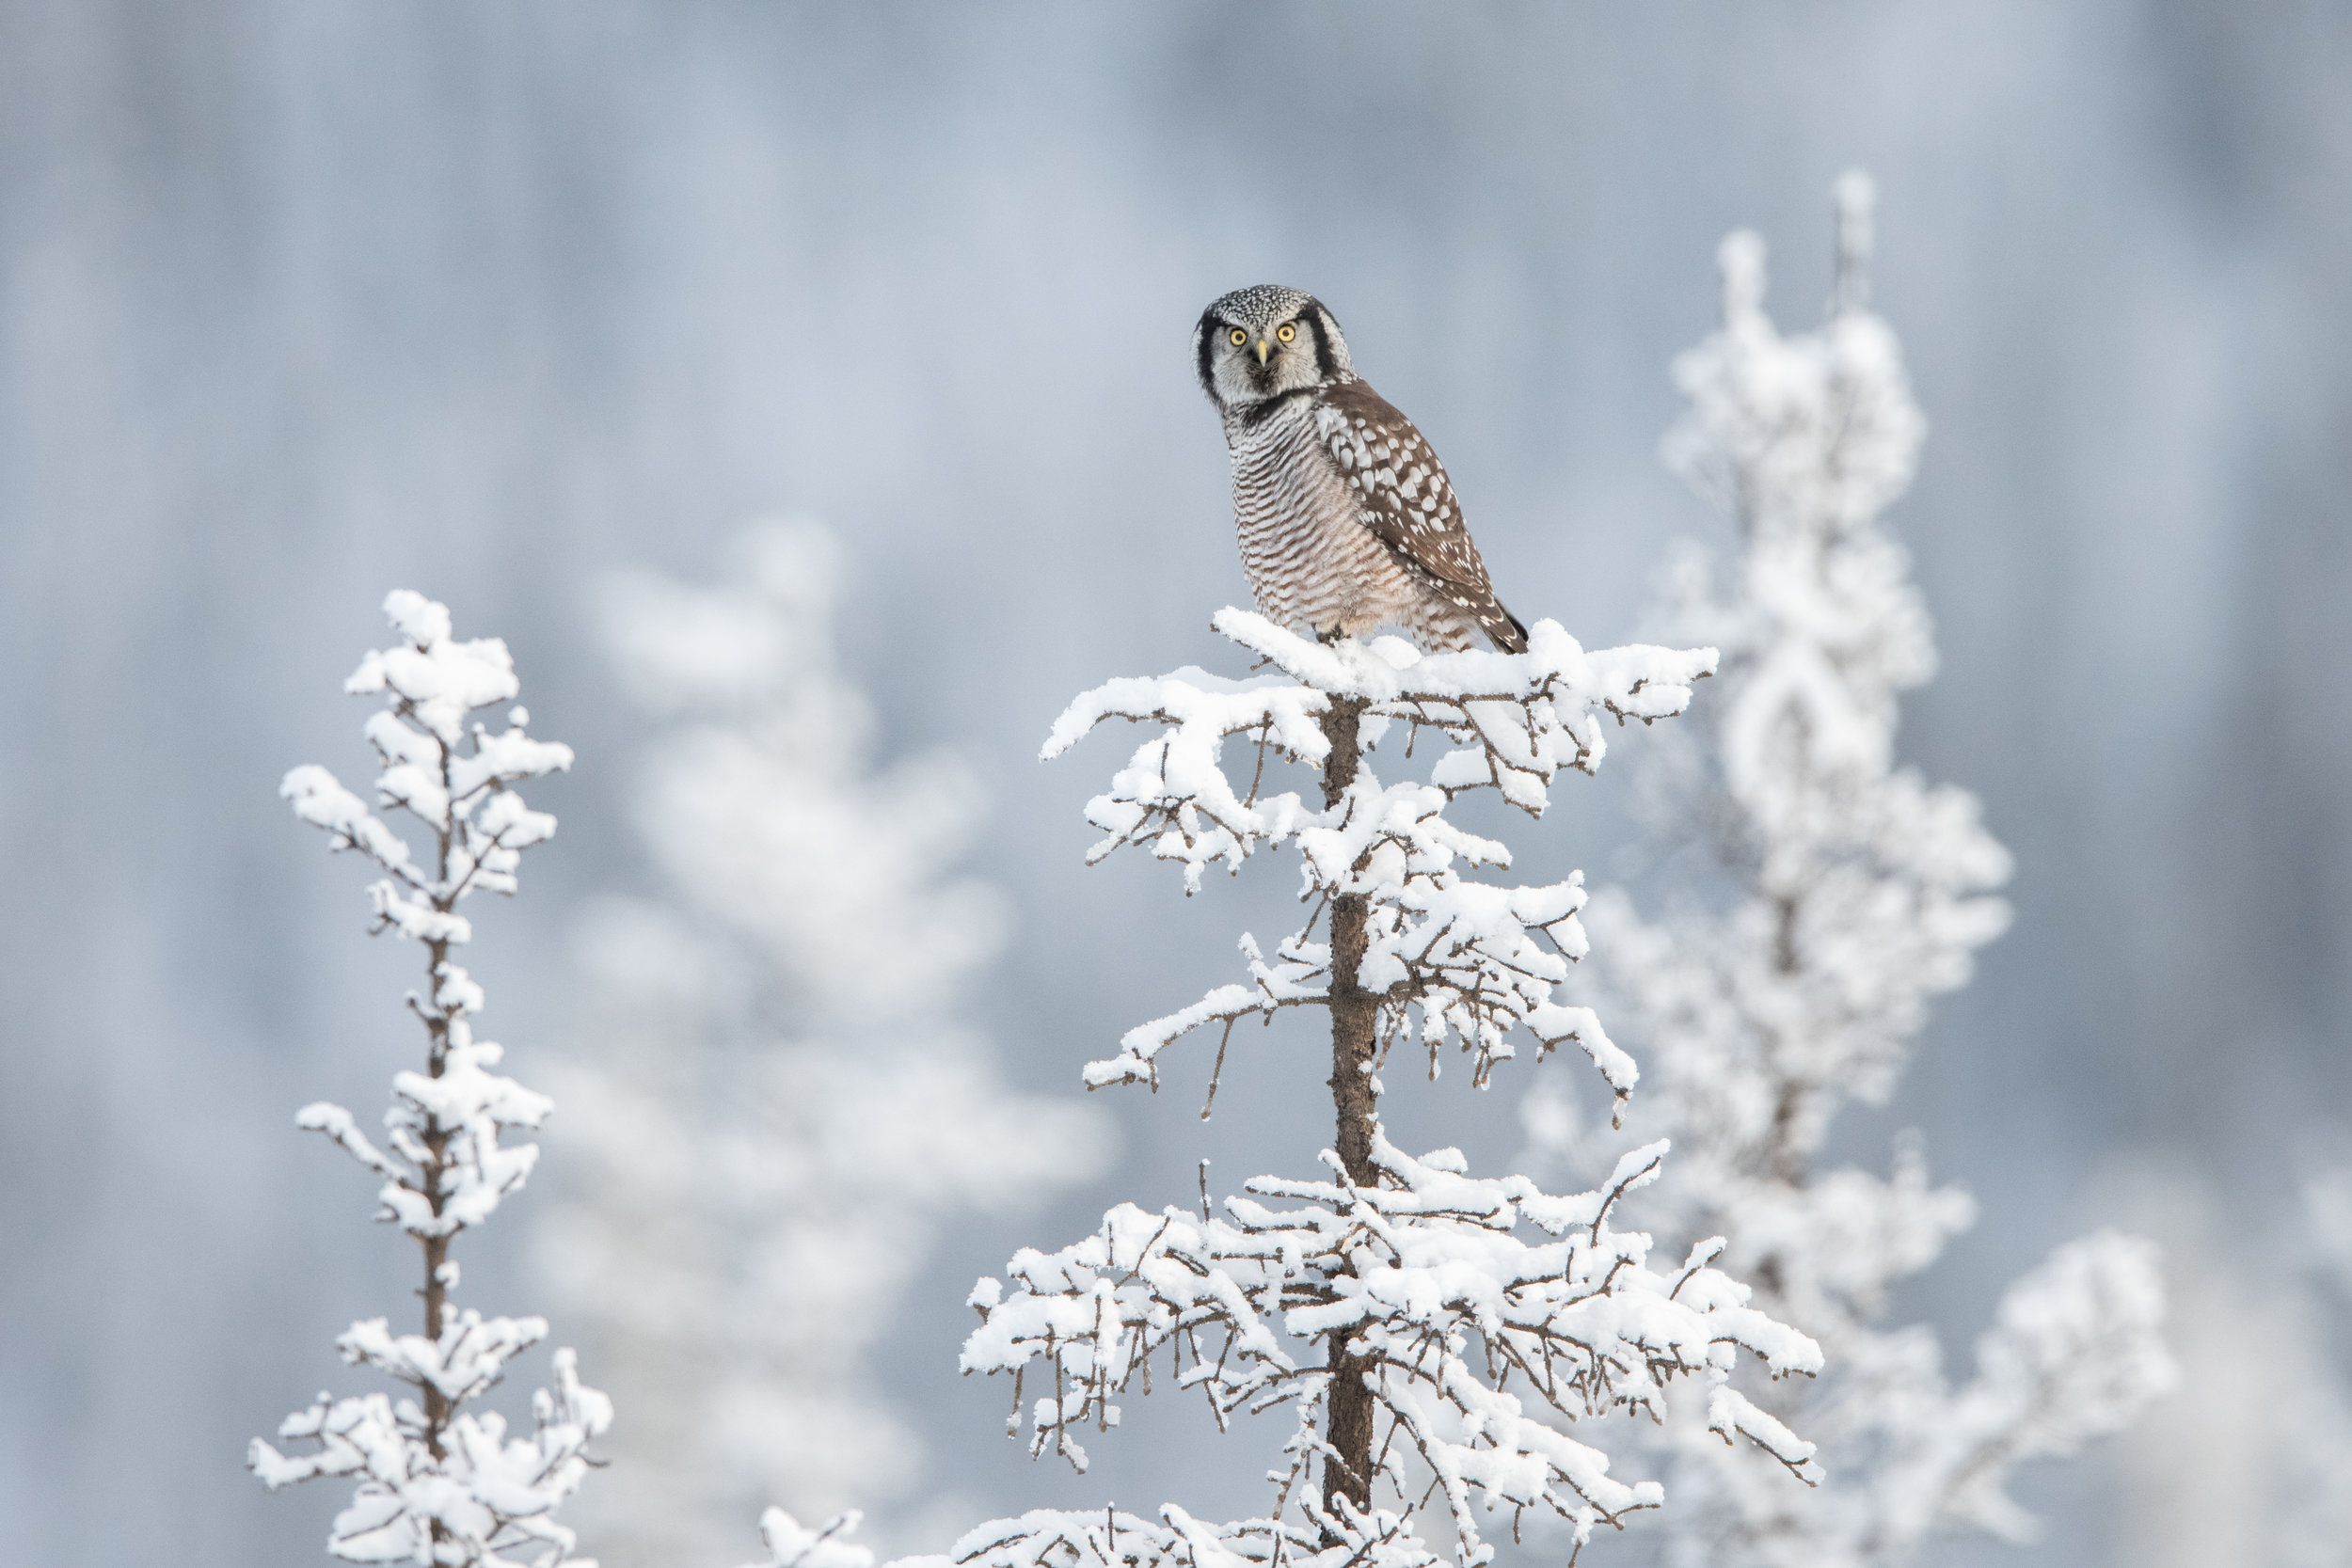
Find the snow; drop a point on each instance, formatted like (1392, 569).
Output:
(2074, 1355)
(1474, 962)
(489, 1498)
(437, 680)
(441, 1483)
(462, 788)
(1107, 1538)
(1516, 719)
(792, 1544)
(1423, 1267)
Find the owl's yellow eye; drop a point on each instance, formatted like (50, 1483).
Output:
(1237, 337)
(1286, 331)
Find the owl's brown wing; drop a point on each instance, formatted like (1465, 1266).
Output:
(1402, 495)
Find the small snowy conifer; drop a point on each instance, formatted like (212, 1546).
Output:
(1851, 892)
(438, 1482)
(775, 1107)
(1471, 1328)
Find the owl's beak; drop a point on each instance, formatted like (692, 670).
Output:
(1265, 348)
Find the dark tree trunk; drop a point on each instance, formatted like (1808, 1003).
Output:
(1355, 1013)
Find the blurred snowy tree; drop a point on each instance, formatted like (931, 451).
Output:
(440, 1483)
(773, 1105)
(2245, 1467)
(1473, 1330)
(2312, 1438)
(1846, 893)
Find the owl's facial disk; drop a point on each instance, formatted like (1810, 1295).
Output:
(1259, 343)
(1249, 362)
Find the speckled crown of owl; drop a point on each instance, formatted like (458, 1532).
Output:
(1295, 343)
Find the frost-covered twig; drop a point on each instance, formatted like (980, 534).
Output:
(440, 1483)
(1848, 894)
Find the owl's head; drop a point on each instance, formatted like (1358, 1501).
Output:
(1260, 343)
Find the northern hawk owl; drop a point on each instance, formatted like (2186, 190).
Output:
(1346, 518)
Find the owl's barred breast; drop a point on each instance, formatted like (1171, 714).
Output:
(1310, 559)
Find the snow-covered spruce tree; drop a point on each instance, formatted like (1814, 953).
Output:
(1847, 893)
(1472, 1329)
(439, 1482)
(770, 1074)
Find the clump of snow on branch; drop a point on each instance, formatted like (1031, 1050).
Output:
(776, 1102)
(793, 1545)
(1848, 892)
(1469, 961)
(1493, 1325)
(438, 1482)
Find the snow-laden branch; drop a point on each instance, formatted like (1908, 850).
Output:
(1472, 961)
(2074, 1355)
(438, 1483)
(1512, 721)
(1108, 1538)
(793, 1545)
(481, 1498)
(1442, 1304)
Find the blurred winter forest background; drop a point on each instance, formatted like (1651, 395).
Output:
(302, 301)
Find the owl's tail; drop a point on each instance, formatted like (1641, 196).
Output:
(1507, 633)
